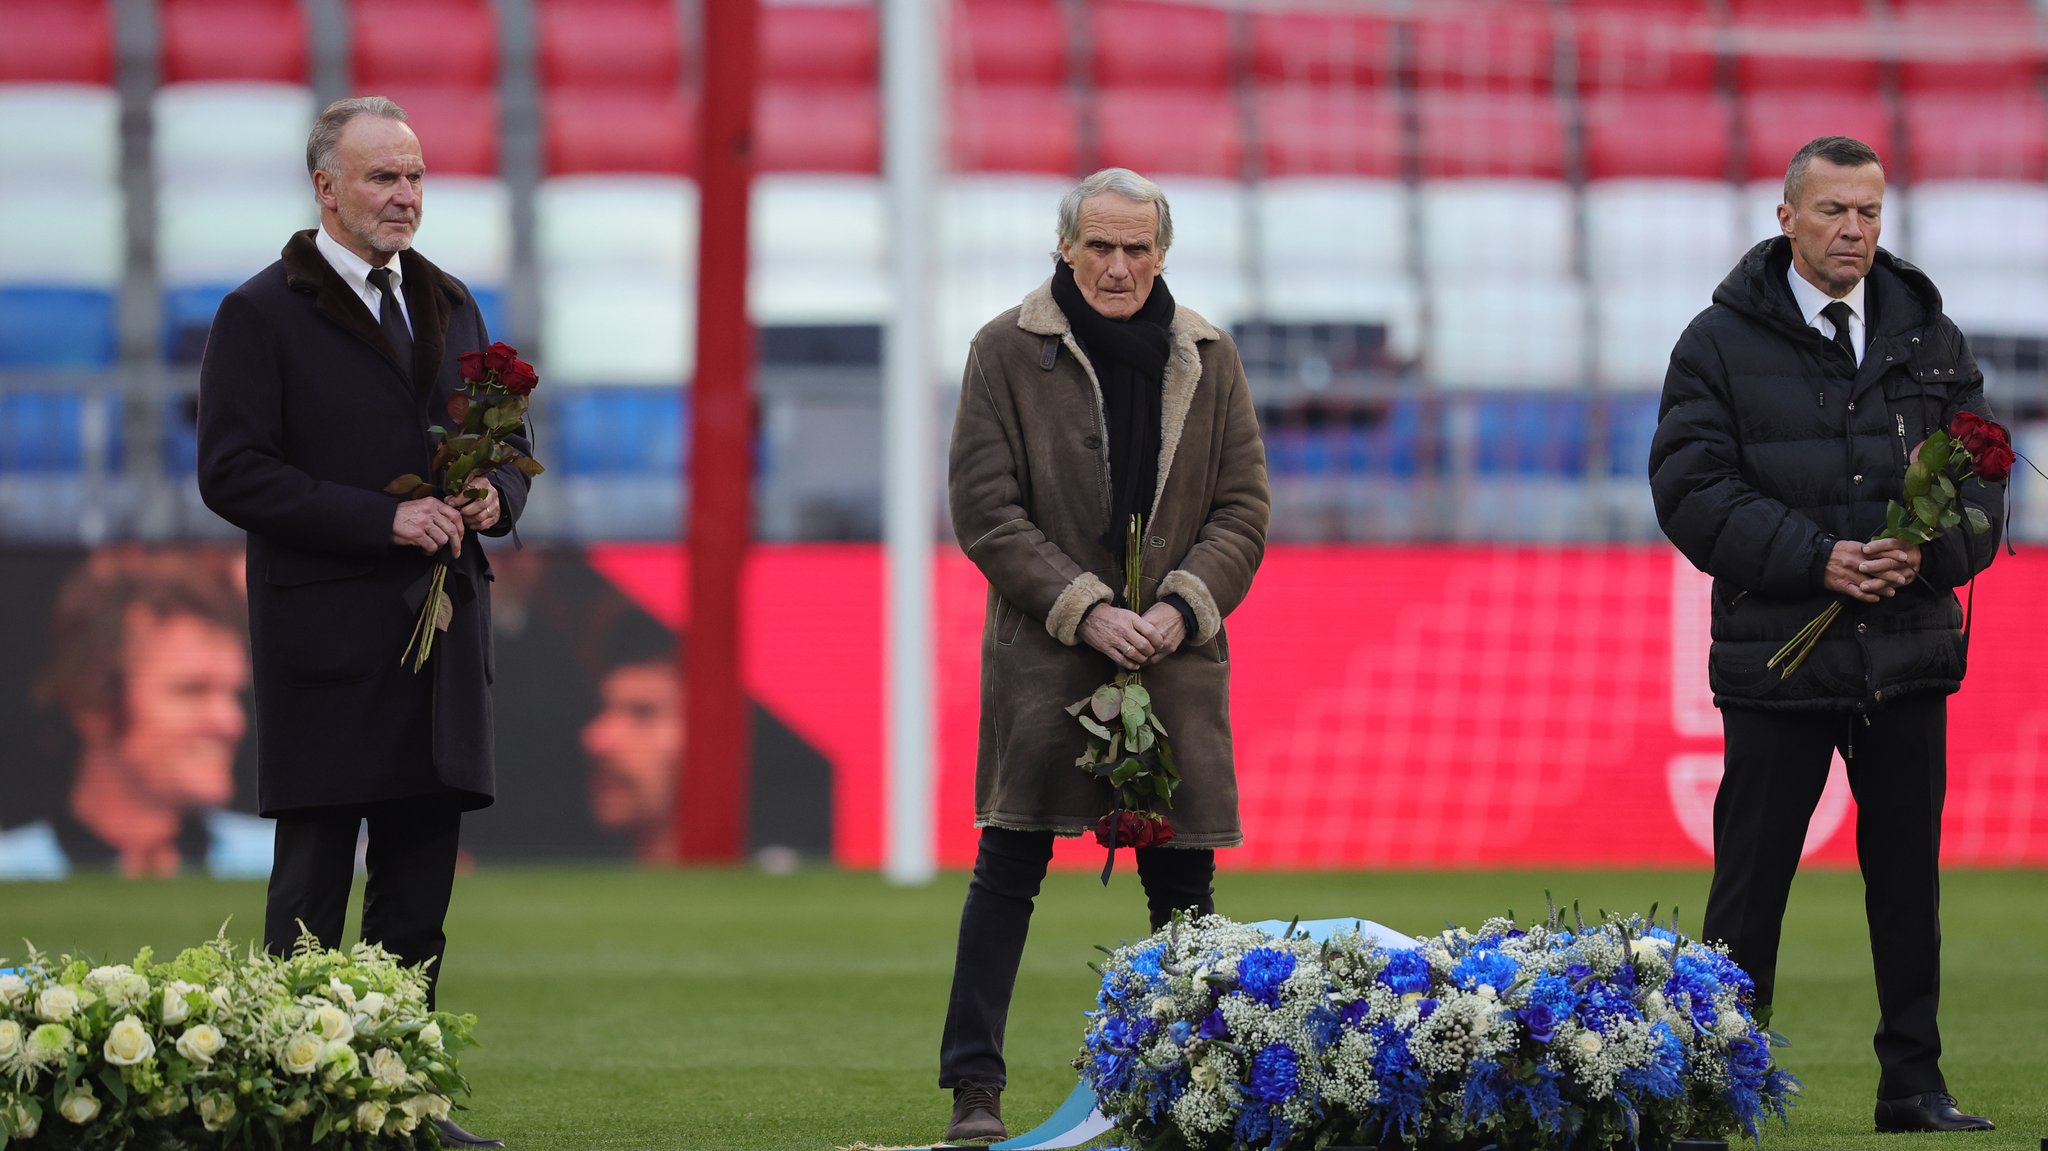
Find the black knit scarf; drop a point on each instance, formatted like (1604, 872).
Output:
(1129, 357)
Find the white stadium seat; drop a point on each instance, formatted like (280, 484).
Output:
(68, 133)
(1505, 229)
(820, 250)
(618, 326)
(203, 239)
(1636, 324)
(1493, 332)
(1205, 268)
(1391, 299)
(1996, 301)
(1649, 230)
(223, 134)
(1331, 223)
(466, 229)
(630, 223)
(77, 239)
(1980, 225)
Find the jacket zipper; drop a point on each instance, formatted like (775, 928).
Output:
(1904, 455)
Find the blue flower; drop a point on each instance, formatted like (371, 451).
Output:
(1213, 1026)
(1485, 968)
(1276, 1072)
(1539, 1021)
(1406, 972)
(1113, 1056)
(1180, 1031)
(1355, 1013)
(1606, 1004)
(1261, 972)
(1146, 962)
(1324, 1025)
(1404, 1089)
(1424, 1008)
(1663, 1077)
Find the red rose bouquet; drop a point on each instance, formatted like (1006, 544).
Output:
(489, 406)
(1127, 744)
(1972, 447)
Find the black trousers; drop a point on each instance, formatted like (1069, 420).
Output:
(411, 865)
(1008, 868)
(1777, 763)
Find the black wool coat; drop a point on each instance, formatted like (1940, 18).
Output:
(304, 415)
(1770, 445)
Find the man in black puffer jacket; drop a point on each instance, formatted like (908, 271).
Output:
(1789, 414)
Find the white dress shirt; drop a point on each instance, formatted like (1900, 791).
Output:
(1811, 300)
(355, 271)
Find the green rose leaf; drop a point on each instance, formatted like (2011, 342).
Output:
(1126, 771)
(528, 466)
(403, 485)
(1894, 520)
(1144, 740)
(1094, 728)
(1107, 701)
(1139, 697)
(1927, 510)
(1945, 486)
(1077, 707)
(1979, 522)
(1918, 480)
(1133, 724)
(1951, 518)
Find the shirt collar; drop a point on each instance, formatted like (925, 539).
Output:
(1811, 299)
(353, 268)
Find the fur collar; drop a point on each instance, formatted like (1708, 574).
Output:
(430, 297)
(1041, 316)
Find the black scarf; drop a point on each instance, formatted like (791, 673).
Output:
(1129, 357)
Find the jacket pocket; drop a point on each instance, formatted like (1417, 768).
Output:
(325, 621)
(1008, 622)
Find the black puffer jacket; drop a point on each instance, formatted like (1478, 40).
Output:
(1770, 445)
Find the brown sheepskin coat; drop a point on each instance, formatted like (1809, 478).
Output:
(1029, 488)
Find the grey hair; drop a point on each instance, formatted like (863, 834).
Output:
(1845, 151)
(326, 136)
(1123, 182)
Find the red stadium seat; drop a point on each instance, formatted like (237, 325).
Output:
(1777, 124)
(1952, 47)
(262, 40)
(1166, 131)
(400, 42)
(818, 129)
(1496, 135)
(618, 130)
(1833, 45)
(1508, 47)
(1322, 47)
(1138, 45)
(1329, 132)
(56, 42)
(458, 127)
(1644, 44)
(1015, 129)
(805, 44)
(610, 44)
(1679, 134)
(1977, 136)
(1009, 42)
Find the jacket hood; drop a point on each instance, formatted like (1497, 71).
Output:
(1756, 288)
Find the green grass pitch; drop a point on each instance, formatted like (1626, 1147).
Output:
(715, 1009)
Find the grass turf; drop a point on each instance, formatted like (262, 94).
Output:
(731, 1009)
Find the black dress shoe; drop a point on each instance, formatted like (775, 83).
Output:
(977, 1114)
(1929, 1111)
(452, 1135)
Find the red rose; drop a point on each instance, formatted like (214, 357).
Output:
(473, 369)
(519, 378)
(499, 357)
(1132, 829)
(1989, 446)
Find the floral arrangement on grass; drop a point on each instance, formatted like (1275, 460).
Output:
(318, 1049)
(1214, 1035)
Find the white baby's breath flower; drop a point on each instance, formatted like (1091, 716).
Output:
(80, 1107)
(388, 1069)
(301, 1054)
(200, 1043)
(216, 1109)
(13, 990)
(128, 1043)
(57, 1003)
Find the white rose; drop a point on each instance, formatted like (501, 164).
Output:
(26, 1122)
(57, 1003)
(371, 1005)
(387, 1069)
(1487, 992)
(167, 1104)
(431, 1035)
(175, 1009)
(332, 1023)
(49, 1043)
(297, 1109)
(342, 991)
(370, 1116)
(216, 1109)
(401, 1122)
(81, 1106)
(200, 1043)
(1589, 1042)
(10, 1038)
(301, 1054)
(13, 989)
(128, 1043)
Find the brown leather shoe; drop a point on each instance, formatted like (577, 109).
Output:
(977, 1114)
(1929, 1111)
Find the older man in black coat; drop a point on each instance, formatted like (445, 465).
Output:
(1790, 412)
(321, 376)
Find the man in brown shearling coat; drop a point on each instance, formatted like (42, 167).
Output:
(1096, 399)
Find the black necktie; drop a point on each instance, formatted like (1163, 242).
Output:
(391, 319)
(1838, 315)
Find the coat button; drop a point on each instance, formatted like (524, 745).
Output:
(1858, 479)
(1862, 628)
(1852, 407)
(1156, 541)
(1878, 695)
(1092, 442)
